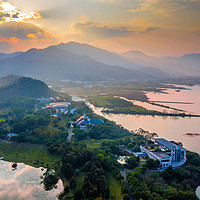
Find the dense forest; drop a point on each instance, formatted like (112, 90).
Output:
(26, 87)
(89, 164)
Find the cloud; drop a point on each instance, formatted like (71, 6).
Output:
(196, 33)
(164, 6)
(9, 13)
(150, 29)
(106, 1)
(20, 36)
(22, 30)
(100, 30)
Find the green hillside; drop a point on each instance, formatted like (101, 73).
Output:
(26, 87)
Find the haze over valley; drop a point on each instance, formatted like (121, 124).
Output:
(99, 100)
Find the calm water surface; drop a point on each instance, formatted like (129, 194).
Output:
(24, 183)
(190, 96)
(171, 128)
(167, 127)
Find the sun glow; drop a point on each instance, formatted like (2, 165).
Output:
(10, 13)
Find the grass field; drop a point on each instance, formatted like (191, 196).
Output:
(24, 152)
(79, 180)
(115, 188)
(4, 111)
(93, 145)
(116, 104)
(114, 185)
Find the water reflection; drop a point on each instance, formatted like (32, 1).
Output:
(24, 183)
(169, 127)
(198, 192)
(191, 96)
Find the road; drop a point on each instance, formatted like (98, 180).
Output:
(123, 173)
(69, 138)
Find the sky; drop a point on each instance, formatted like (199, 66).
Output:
(155, 27)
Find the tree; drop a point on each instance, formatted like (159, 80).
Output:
(78, 195)
(72, 183)
(132, 162)
(152, 164)
(195, 161)
(126, 197)
(49, 179)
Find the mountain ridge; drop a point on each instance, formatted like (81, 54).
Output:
(109, 58)
(54, 63)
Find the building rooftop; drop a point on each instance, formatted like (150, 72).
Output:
(161, 155)
(83, 120)
(96, 121)
(12, 134)
(140, 154)
(165, 143)
(60, 104)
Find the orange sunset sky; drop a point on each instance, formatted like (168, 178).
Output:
(156, 27)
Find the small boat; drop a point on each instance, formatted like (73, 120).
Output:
(192, 134)
(1, 158)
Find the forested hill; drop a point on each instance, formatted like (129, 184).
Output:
(9, 80)
(26, 87)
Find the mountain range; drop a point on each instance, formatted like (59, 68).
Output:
(4, 55)
(110, 58)
(82, 62)
(186, 65)
(54, 63)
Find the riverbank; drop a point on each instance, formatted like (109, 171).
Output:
(151, 113)
(36, 156)
(121, 105)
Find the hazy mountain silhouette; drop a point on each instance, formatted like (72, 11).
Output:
(186, 65)
(109, 58)
(8, 80)
(54, 63)
(10, 55)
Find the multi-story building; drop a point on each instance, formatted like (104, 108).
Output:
(173, 149)
(168, 153)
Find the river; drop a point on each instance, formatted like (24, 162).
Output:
(24, 183)
(191, 96)
(171, 128)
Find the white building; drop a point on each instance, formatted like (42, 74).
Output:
(170, 153)
(174, 150)
(164, 159)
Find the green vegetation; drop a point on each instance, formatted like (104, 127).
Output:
(179, 183)
(27, 87)
(27, 152)
(9, 80)
(115, 188)
(116, 105)
(79, 180)
(107, 95)
(88, 165)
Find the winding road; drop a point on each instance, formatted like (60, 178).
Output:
(69, 138)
